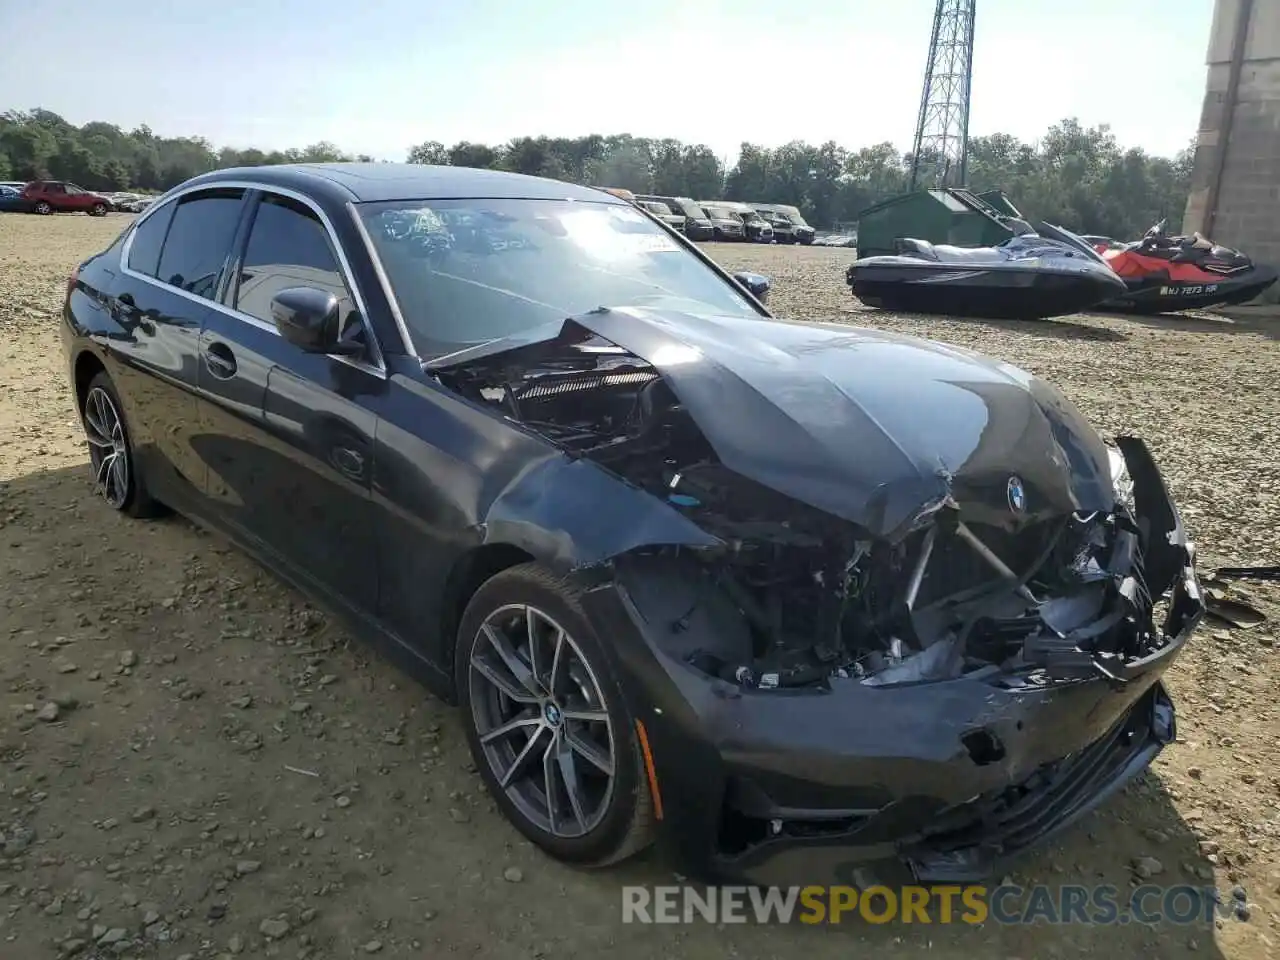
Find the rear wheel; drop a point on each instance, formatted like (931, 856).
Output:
(546, 722)
(43, 208)
(116, 476)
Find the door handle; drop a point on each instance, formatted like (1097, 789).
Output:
(220, 361)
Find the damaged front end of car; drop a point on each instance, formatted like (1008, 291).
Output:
(886, 656)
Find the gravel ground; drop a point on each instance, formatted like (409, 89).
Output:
(195, 763)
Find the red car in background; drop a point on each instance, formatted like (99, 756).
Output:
(59, 196)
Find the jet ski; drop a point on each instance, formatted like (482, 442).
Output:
(1163, 273)
(1040, 273)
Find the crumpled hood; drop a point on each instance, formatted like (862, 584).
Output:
(862, 424)
(866, 425)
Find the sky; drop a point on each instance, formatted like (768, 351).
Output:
(381, 76)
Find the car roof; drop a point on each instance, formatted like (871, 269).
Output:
(372, 182)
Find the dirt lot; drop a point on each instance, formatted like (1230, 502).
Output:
(194, 763)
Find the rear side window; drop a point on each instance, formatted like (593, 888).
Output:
(288, 247)
(199, 238)
(148, 237)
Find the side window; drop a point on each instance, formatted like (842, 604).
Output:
(289, 247)
(203, 227)
(54, 188)
(148, 237)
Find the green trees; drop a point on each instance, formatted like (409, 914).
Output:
(1079, 177)
(1075, 176)
(101, 156)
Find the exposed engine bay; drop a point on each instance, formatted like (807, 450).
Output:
(798, 596)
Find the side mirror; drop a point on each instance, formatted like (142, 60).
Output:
(310, 319)
(757, 283)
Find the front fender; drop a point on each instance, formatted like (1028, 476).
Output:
(572, 513)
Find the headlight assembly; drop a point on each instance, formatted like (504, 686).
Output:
(1121, 482)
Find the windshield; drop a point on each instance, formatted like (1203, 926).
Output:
(687, 207)
(1063, 235)
(468, 271)
(720, 213)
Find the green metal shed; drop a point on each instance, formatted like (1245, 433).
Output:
(951, 215)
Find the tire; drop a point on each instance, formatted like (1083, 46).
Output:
(98, 210)
(120, 483)
(614, 817)
(43, 208)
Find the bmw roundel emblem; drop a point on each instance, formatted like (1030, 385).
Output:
(1017, 496)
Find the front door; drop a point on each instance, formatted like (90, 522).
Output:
(77, 198)
(290, 434)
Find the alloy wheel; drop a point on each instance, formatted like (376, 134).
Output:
(542, 721)
(108, 449)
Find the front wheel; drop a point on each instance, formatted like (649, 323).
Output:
(546, 722)
(98, 210)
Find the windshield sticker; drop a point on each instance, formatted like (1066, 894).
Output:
(629, 214)
(648, 242)
(602, 239)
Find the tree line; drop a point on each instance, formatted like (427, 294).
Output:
(1077, 176)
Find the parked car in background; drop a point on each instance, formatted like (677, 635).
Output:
(676, 221)
(697, 226)
(756, 227)
(796, 225)
(59, 196)
(11, 199)
(132, 202)
(123, 202)
(836, 240)
(782, 227)
(14, 184)
(725, 224)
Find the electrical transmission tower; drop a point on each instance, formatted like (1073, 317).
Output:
(942, 132)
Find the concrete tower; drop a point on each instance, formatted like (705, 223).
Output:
(1235, 186)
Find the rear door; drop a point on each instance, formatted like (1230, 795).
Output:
(290, 434)
(55, 194)
(170, 266)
